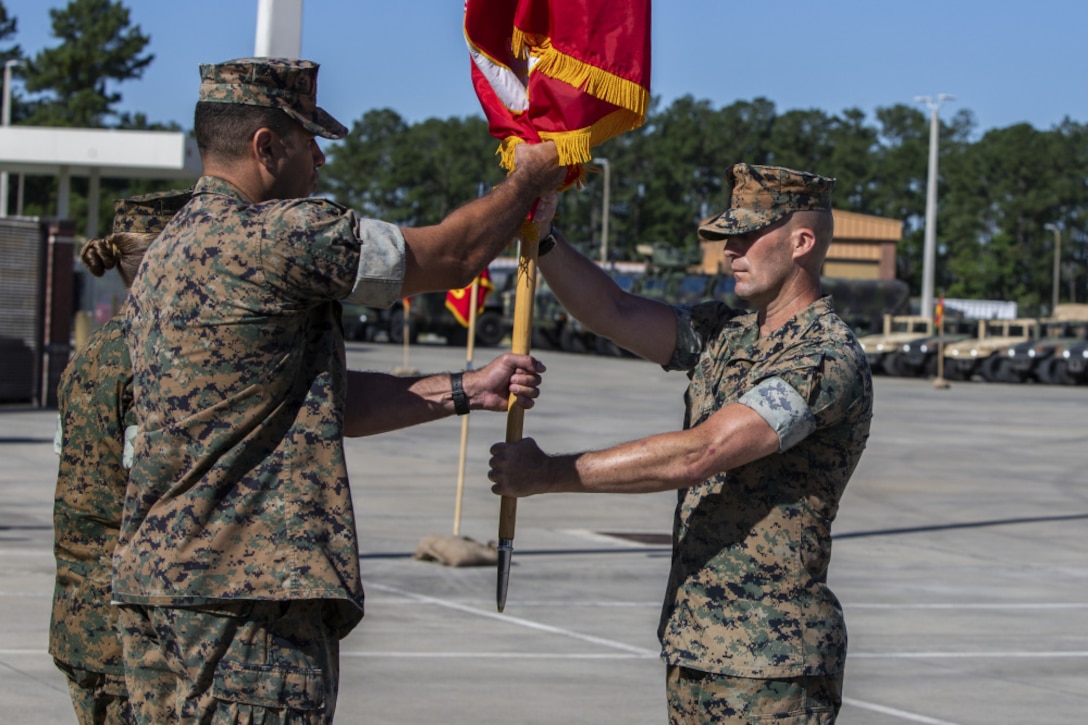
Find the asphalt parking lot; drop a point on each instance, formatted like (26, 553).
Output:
(959, 557)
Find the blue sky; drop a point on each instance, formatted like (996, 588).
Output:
(1006, 62)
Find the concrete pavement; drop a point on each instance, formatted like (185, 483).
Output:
(959, 559)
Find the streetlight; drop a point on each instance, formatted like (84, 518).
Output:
(1057, 263)
(5, 120)
(929, 251)
(604, 208)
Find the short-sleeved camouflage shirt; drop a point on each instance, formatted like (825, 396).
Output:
(747, 593)
(238, 487)
(95, 406)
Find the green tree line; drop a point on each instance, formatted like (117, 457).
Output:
(997, 192)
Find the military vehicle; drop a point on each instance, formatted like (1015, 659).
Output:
(898, 330)
(1031, 360)
(549, 317)
(1069, 366)
(918, 357)
(429, 315)
(862, 303)
(359, 321)
(985, 356)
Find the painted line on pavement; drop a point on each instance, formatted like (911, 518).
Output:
(527, 623)
(903, 714)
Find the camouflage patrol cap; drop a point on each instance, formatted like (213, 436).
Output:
(274, 83)
(148, 213)
(761, 195)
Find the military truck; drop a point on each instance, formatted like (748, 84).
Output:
(359, 321)
(862, 303)
(918, 357)
(429, 315)
(1031, 360)
(881, 348)
(985, 357)
(1069, 365)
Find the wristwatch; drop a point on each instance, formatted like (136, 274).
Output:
(547, 242)
(460, 400)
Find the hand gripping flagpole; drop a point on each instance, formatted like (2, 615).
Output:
(520, 341)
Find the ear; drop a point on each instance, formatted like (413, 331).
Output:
(264, 147)
(803, 241)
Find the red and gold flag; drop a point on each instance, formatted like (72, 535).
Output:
(458, 300)
(576, 72)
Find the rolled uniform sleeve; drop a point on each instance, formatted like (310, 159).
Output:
(380, 274)
(778, 403)
(315, 249)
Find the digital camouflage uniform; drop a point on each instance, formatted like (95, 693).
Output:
(239, 524)
(747, 595)
(95, 409)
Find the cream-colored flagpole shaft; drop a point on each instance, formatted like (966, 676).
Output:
(406, 327)
(473, 292)
(520, 341)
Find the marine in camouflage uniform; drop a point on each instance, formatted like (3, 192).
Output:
(777, 416)
(95, 410)
(238, 561)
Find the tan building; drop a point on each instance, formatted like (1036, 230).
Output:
(864, 247)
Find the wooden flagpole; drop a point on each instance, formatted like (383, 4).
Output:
(473, 292)
(520, 342)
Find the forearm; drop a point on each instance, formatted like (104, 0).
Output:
(732, 437)
(450, 254)
(663, 462)
(378, 402)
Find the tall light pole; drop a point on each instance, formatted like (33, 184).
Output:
(605, 206)
(929, 250)
(5, 120)
(1057, 263)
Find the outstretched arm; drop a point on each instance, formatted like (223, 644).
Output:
(450, 254)
(379, 402)
(643, 326)
(731, 437)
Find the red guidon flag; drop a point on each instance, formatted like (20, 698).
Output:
(576, 72)
(458, 300)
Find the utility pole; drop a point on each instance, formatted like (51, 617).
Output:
(605, 206)
(929, 250)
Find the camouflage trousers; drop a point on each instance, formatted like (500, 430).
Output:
(705, 697)
(98, 698)
(234, 662)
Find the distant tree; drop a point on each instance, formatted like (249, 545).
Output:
(1003, 191)
(411, 174)
(995, 194)
(360, 169)
(8, 28)
(97, 47)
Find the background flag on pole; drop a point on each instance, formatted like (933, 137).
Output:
(458, 300)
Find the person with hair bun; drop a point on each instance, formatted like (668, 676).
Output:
(95, 415)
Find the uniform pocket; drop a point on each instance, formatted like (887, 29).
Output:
(270, 686)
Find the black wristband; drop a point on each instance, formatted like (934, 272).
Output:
(460, 400)
(546, 243)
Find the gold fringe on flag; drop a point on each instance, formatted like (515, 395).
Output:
(597, 82)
